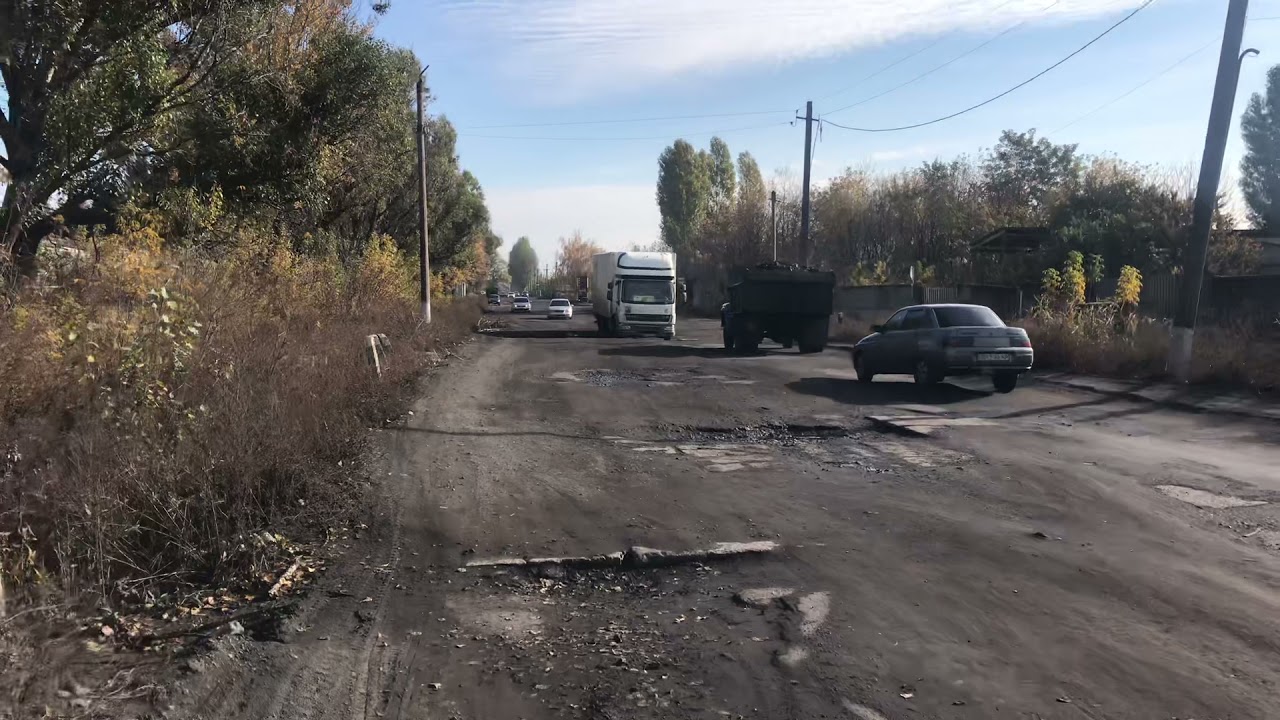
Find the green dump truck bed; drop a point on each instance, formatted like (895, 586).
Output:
(782, 289)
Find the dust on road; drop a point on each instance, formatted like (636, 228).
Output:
(1068, 556)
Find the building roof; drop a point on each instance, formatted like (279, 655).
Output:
(1011, 240)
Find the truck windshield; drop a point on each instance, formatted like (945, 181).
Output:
(654, 292)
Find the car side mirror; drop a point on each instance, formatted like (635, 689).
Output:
(877, 328)
(608, 295)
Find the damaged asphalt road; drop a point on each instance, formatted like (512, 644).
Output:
(1044, 554)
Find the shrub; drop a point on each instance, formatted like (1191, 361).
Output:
(161, 410)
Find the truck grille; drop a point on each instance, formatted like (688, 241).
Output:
(648, 317)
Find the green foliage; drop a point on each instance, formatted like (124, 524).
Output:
(1073, 279)
(1025, 175)
(522, 264)
(751, 188)
(721, 170)
(1260, 167)
(96, 83)
(684, 193)
(1096, 268)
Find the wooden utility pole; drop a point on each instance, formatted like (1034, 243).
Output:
(1215, 145)
(804, 198)
(773, 220)
(424, 262)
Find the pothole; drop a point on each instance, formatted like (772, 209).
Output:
(1205, 499)
(613, 378)
(773, 434)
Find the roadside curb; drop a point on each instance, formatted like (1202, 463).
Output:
(1167, 394)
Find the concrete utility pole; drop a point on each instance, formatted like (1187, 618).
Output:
(804, 198)
(773, 220)
(424, 262)
(1215, 144)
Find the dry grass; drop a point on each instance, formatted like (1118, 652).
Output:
(1244, 355)
(162, 412)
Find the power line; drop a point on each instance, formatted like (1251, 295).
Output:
(990, 100)
(1139, 86)
(667, 136)
(901, 60)
(621, 121)
(936, 68)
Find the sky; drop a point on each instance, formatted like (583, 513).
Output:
(562, 106)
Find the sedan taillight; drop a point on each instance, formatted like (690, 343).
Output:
(1019, 341)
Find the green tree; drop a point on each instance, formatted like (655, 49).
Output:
(721, 170)
(522, 264)
(1260, 167)
(89, 82)
(684, 191)
(751, 188)
(1024, 176)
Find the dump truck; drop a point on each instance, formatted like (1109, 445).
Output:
(788, 304)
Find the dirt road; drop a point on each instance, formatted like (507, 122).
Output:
(1045, 554)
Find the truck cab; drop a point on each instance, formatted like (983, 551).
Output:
(634, 293)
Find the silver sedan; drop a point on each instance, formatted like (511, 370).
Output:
(931, 342)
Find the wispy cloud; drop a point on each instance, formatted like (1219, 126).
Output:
(577, 47)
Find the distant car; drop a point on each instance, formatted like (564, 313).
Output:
(560, 308)
(931, 342)
(521, 304)
(495, 300)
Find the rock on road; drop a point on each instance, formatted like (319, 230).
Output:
(1045, 554)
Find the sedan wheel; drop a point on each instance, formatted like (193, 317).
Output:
(1005, 382)
(860, 367)
(925, 373)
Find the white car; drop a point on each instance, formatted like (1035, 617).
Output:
(521, 304)
(560, 308)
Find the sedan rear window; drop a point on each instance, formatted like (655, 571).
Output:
(559, 303)
(974, 316)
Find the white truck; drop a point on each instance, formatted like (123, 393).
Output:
(634, 293)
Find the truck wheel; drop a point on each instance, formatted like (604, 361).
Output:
(813, 336)
(728, 339)
(746, 343)
(1005, 382)
(787, 343)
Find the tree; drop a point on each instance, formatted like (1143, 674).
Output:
(751, 189)
(684, 190)
(574, 257)
(1260, 167)
(720, 168)
(522, 264)
(1024, 175)
(499, 274)
(90, 82)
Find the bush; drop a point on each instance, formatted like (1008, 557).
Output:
(1242, 355)
(164, 413)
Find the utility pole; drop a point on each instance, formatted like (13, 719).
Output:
(424, 262)
(804, 198)
(1215, 144)
(773, 220)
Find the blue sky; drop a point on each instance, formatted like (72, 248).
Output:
(513, 62)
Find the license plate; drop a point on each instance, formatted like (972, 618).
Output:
(994, 357)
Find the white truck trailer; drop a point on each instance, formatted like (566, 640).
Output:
(634, 293)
